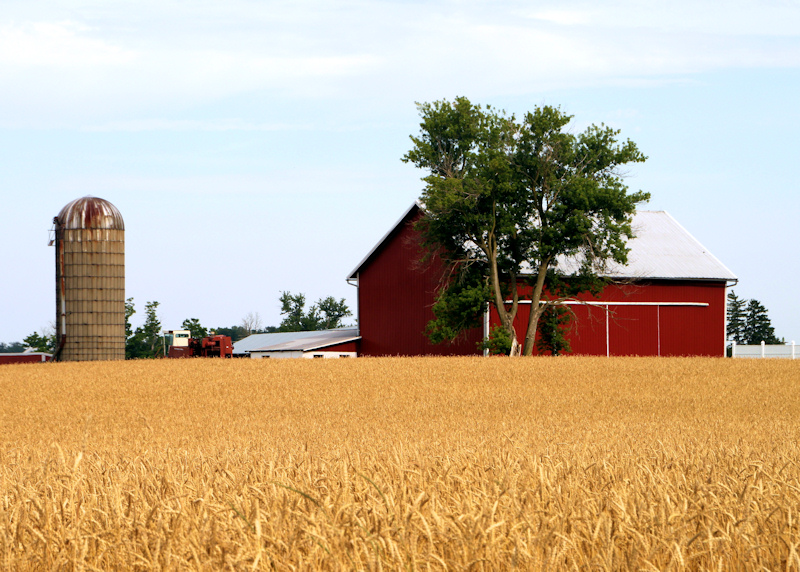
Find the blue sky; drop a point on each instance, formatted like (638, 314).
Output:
(254, 147)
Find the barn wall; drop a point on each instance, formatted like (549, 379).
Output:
(396, 293)
(664, 330)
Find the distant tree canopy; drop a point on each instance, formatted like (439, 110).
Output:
(325, 314)
(12, 348)
(42, 342)
(236, 333)
(749, 323)
(145, 341)
(194, 327)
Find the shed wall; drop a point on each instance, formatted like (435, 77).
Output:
(341, 348)
(37, 357)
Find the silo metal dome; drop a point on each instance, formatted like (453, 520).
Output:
(90, 212)
(90, 281)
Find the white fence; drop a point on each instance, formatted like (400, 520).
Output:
(785, 351)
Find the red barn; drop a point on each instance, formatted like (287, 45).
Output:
(669, 300)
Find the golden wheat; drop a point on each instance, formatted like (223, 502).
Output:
(406, 463)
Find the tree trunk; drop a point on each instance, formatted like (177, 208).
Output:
(536, 311)
(506, 316)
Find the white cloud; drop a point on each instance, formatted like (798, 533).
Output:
(62, 44)
(236, 124)
(122, 67)
(732, 18)
(563, 17)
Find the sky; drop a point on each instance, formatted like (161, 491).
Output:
(253, 147)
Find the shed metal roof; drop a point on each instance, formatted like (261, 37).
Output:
(295, 341)
(661, 249)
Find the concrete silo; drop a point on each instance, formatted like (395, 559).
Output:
(90, 281)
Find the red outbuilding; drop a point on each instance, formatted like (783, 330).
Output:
(25, 357)
(669, 300)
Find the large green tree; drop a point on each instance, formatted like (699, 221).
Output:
(508, 201)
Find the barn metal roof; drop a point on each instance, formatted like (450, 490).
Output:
(662, 248)
(90, 212)
(295, 341)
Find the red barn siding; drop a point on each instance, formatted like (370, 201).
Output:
(647, 330)
(632, 331)
(587, 335)
(395, 296)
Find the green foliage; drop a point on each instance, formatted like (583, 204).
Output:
(758, 327)
(152, 330)
(748, 322)
(330, 312)
(293, 307)
(236, 333)
(499, 342)
(12, 348)
(130, 310)
(735, 329)
(326, 314)
(553, 326)
(459, 306)
(40, 343)
(513, 197)
(195, 329)
(146, 341)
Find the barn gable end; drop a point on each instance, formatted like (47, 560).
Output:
(396, 291)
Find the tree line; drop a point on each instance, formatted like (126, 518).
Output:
(748, 322)
(147, 341)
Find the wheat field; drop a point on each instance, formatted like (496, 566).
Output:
(401, 464)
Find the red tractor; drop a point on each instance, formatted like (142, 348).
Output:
(181, 345)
